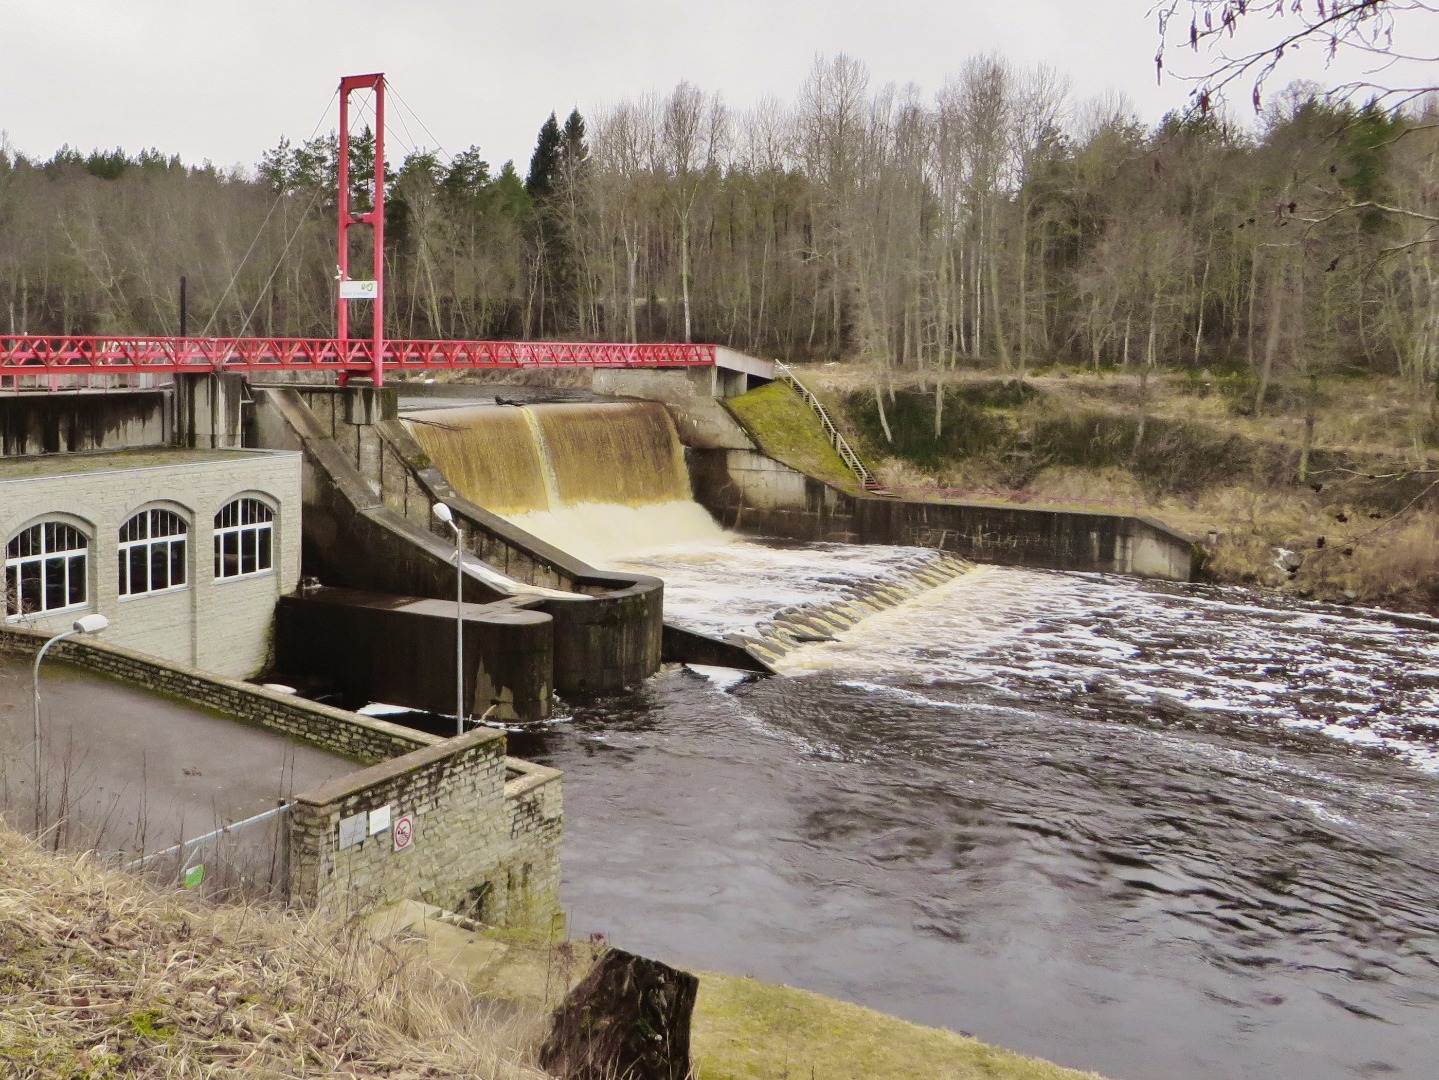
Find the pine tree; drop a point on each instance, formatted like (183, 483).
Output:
(544, 163)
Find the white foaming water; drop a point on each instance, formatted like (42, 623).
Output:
(604, 533)
(734, 586)
(1043, 636)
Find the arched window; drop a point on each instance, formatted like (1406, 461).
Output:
(45, 569)
(244, 539)
(152, 553)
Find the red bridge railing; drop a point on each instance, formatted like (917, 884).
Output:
(40, 355)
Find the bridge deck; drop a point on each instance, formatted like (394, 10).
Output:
(28, 356)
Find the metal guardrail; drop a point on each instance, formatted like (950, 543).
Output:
(846, 452)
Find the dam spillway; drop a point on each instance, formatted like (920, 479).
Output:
(607, 482)
(598, 480)
(515, 459)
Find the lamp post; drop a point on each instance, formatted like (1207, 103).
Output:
(86, 624)
(443, 512)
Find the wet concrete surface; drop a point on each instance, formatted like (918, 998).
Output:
(125, 770)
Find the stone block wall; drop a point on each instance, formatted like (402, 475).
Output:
(532, 871)
(487, 826)
(471, 848)
(219, 625)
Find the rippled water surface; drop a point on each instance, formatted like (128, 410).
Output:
(1157, 831)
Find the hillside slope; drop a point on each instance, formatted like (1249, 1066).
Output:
(1341, 508)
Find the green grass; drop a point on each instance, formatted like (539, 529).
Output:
(789, 431)
(743, 1029)
(749, 1030)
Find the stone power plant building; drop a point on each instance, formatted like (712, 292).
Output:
(144, 506)
(184, 551)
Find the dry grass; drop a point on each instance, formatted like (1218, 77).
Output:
(102, 977)
(1361, 539)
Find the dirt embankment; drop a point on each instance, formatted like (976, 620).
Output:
(1344, 509)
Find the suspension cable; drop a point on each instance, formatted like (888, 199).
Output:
(279, 197)
(279, 262)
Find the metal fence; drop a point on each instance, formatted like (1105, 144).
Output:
(244, 860)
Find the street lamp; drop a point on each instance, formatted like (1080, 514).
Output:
(443, 512)
(86, 624)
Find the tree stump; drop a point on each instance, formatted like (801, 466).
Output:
(628, 1020)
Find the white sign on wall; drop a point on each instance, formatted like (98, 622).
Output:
(352, 829)
(379, 820)
(359, 290)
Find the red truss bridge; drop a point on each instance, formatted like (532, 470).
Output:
(40, 360)
(30, 355)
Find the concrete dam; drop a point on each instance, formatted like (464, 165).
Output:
(600, 530)
(597, 479)
(608, 482)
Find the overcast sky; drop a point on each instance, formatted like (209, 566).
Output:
(224, 81)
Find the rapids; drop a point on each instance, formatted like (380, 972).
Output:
(1158, 831)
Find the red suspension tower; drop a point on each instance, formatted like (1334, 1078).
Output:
(374, 289)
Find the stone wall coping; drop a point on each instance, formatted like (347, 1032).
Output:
(341, 787)
(77, 651)
(531, 776)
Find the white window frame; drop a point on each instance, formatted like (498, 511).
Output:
(152, 520)
(253, 522)
(45, 555)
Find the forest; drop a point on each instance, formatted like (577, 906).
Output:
(998, 222)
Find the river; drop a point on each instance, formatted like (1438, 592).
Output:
(1153, 830)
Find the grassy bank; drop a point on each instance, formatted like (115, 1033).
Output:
(103, 978)
(748, 1030)
(789, 430)
(1349, 494)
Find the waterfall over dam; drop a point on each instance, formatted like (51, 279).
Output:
(598, 480)
(607, 482)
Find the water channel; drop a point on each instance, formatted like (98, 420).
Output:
(1157, 831)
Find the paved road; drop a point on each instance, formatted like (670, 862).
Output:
(134, 771)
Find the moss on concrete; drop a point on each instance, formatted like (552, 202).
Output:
(788, 430)
(749, 1030)
(29, 467)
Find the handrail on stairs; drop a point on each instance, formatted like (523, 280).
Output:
(846, 452)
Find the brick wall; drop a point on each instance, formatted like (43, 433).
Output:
(222, 626)
(481, 843)
(488, 827)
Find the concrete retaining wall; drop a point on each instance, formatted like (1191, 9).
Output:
(755, 494)
(401, 650)
(67, 422)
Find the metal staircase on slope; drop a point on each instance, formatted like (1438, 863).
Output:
(867, 481)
